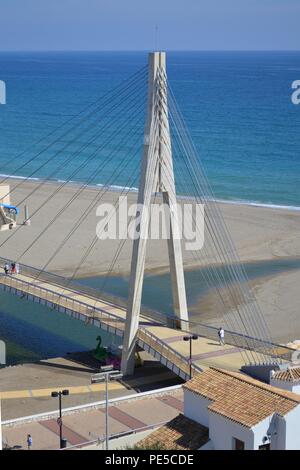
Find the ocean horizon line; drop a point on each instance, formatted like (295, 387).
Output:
(147, 50)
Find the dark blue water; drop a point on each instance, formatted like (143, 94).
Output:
(236, 104)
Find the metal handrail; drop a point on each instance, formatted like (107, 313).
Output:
(237, 339)
(64, 296)
(177, 354)
(116, 435)
(142, 331)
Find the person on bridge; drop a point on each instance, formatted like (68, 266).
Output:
(29, 441)
(221, 334)
(6, 268)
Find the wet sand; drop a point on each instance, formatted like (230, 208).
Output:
(277, 296)
(259, 233)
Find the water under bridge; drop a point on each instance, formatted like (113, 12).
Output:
(158, 334)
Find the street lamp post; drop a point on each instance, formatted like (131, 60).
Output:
(190, 338)
(106, 375)
(58, 395)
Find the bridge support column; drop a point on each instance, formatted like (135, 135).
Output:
(156, 175)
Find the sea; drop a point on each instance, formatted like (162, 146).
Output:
(237, 106)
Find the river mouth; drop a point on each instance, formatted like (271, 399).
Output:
(33, 332)
(157, 294)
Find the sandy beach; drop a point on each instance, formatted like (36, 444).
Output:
(278, 298)
(259, 233)
(280, 302)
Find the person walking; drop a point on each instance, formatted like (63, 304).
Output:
(17, 268)
(6, 268)
(221, 334)
(29, 441)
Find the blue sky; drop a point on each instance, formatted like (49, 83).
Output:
(130, 24)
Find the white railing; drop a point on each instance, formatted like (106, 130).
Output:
(101, 439)
(91, 406)
(239, 340)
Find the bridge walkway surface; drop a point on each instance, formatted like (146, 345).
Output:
(161, 341)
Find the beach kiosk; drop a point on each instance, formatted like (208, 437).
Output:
(8, 212)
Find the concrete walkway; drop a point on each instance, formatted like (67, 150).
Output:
(46, 392)
(84, 426)
(26, 389)
(166, 344)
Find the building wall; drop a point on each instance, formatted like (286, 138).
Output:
(296, 388)
(195, 407)
(292, 429)
(223, 430)
(278, 441)
(260, 430)
(291, 386)
(0, 428)
(281, 384)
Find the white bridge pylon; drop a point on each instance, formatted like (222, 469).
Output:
(156, 175)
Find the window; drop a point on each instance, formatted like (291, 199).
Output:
(238, 444)
(264, 446)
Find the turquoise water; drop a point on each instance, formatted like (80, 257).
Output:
(157, 294)
(32, 332)
(236, 104)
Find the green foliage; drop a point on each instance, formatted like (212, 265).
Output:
(155, 446)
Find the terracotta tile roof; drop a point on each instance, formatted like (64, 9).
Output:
(180, 433)
(292, 374)
(240, 398)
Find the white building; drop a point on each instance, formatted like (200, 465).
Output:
(288, 379)
(230, 411)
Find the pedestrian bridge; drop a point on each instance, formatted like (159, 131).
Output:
(158, 334)
(170, 168)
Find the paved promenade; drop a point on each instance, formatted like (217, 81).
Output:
(85, 426)
(26, 389)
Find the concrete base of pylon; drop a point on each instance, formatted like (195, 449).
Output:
(128, 362)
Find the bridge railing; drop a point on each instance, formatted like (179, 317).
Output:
(64, 301)
(52, 278)
(236, 339)
(167, 352)
(239, 340)
(144, 336)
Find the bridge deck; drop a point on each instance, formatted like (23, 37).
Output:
(162, 342)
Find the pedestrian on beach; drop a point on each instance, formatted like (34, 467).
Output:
(29, 441)
(221, 334)
(6, 268)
